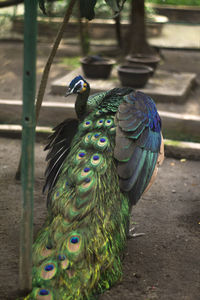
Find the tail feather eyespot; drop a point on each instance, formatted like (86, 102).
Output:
(48, 270)
(43, 294)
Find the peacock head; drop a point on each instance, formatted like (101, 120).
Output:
(77, 86)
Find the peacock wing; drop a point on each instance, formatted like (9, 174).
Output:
(137, 143)
(59, 147)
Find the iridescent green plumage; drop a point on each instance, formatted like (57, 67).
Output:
(77, 253)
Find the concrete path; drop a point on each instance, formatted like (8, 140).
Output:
(178, 36)
(163, 86)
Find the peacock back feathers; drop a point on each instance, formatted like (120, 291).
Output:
(98, 167)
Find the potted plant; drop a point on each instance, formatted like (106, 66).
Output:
(135, 75)
(97, 66)
(144, 59)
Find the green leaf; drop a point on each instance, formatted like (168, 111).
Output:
(116, 5)
(87, 9)
(42, 6)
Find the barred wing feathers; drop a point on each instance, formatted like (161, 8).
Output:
(59, 147)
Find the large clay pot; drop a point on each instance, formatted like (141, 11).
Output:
(149, 60)
(134, 75)
(97, 67)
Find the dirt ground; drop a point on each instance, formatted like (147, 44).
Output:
(163, 264)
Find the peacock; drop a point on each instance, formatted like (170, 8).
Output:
(99, 165)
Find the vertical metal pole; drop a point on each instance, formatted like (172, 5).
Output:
(28, 139)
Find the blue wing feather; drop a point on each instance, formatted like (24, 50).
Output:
(127, 184)
(143, 178)
(125, 169)
(138, 140)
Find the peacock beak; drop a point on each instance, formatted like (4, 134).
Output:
(68, 93)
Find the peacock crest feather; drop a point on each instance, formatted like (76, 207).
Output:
(98, 166)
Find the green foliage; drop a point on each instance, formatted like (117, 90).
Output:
(116, 5)
(87, 7)
(71, 62)
(102, 11)
(176, 2)
(42, 6)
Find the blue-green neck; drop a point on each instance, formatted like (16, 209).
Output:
(81, 104)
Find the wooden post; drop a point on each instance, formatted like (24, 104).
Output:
(28, 139)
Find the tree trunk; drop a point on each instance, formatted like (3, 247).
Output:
(84, 37)
(118, 31)
(136, 37)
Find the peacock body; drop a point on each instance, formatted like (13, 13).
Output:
(99, 166)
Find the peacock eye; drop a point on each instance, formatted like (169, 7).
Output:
(61, 257)
(74, 240)
(49, 268)
(43, 292)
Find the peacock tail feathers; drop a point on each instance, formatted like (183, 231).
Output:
(79, 248)
(97, 168)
